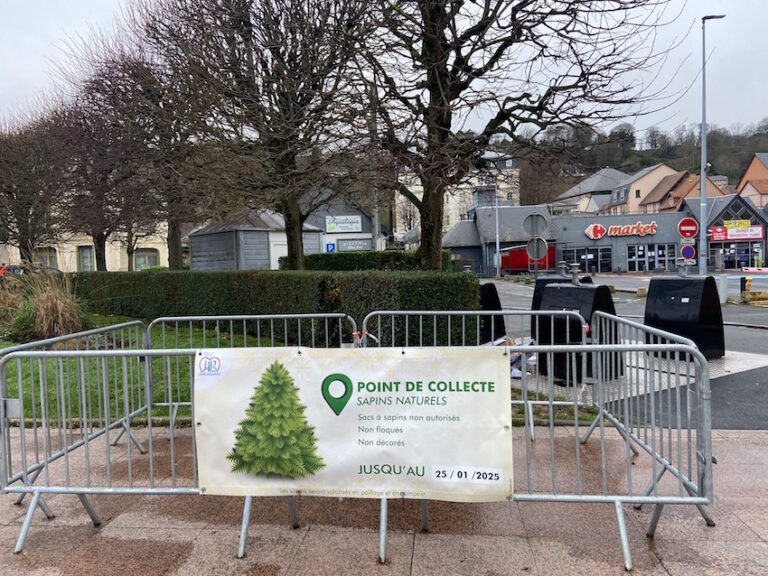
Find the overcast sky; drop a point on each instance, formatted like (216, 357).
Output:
(33, 34)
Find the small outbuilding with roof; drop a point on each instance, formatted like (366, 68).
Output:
(251, 240)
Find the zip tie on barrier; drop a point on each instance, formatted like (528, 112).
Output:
(359, 335)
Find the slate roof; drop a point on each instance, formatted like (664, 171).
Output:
(510, 223)
(604, 180)
(763, 157)
(601, 200)
(715, 206)
(464, 233)
(255, 220)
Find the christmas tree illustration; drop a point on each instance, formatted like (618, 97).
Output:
(275, 438)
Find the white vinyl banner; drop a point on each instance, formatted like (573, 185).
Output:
(431, 423)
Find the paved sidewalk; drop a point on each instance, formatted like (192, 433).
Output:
(147, 535)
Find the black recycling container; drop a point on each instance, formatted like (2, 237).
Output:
(586, 299)
(689, 307)
(491, 327)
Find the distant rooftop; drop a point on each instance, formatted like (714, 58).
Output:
(602, 181)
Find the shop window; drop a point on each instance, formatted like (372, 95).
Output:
(605, 261)
(45, 257)
(146, 258)
(86, 261)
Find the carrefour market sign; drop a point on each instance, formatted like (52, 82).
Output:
(597, 231)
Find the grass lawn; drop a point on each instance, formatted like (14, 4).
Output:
(87, 386)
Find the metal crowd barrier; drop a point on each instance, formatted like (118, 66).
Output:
(126, 335)
(651, 386)
(62, 410)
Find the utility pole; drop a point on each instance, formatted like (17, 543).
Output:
(703, 253)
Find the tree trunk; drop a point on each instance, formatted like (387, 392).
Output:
(175, 261)
(100, 251)
(431, 212)
(294, 223)
(130, 248)
(25, 247)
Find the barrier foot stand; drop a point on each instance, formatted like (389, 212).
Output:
(424, 516)
(244, 527)
(172, 421)
(625, 435)
(623, 536)
(119, 435)
(44, 507)
(125, 428)
(30, 481)
(530, 420)
(27, 522)
(589, 431)
(703, 511)
(137, 442)
(654, 520)
(292, 512)
(651, 484)
(383, 532)
(88, 508)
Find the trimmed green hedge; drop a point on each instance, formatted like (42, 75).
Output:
(151, 295)
(367, 260)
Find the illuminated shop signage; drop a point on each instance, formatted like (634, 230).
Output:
(597, 231)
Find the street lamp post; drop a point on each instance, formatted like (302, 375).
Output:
(498, 254)
(703, 254)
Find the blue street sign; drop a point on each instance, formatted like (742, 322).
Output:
(688, 252)
(330, 247)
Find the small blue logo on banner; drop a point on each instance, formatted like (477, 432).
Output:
(209, 365)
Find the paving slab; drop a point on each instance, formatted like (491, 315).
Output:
(689, 558)
(471, 555)
(270, 551)
(183, 535)
(329, 552)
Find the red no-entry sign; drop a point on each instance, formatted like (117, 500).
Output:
(688, 227)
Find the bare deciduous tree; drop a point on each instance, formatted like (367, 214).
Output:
(30, 165)
(444, 65)
(272, 81)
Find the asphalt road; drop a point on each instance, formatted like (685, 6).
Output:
(739, 401)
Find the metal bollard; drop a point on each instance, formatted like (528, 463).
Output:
(575, 273)
(562, 268)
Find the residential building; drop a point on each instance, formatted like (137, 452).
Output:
(592, 194)
(754, 182)
(626, 198)
(756, 171)
(671, 190)
(496, 174)
(757, 192)
(76, 253)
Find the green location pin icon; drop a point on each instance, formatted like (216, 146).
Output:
(337, 403)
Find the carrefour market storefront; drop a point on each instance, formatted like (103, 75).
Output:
(629, 243)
